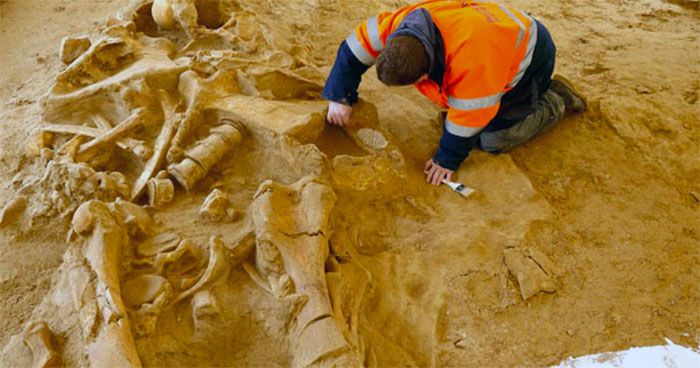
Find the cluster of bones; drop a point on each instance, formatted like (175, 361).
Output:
(143, 94)
(135, 119)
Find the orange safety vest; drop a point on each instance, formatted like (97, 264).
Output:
(488, 47)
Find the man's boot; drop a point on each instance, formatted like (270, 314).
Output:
(574, 101)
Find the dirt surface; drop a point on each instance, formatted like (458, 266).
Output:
(335, 251)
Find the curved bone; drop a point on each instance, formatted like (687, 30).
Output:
(216, 270)
(156, 161)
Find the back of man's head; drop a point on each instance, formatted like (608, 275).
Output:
(403, 61)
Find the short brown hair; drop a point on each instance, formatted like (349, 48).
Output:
(403, 61)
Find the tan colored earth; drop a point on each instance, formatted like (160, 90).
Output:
(321, 246)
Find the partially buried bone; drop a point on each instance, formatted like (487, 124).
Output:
(113, 77)
(157, 159)
(216, 270)
(134, 218)
(63, 186)
(134, 145)
(160, 190)
(347, 285)
(205, 308)
(144, 289)
(170, 256)
(170, 14)
(91, 148)
(217, 207)
(372, 138)
(105, 232)
(13, 209)
(533, 270)
(205, 154)
(146, 296)
(39, 339)
(161, 243)
(178, 263)
(292, 230)
(197, 93)
(72, 48)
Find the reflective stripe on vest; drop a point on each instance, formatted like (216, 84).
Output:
(471, 104)
(531, 43)
(375, 42)
(474, 103)
(461, 131)
(373, 33)
(359, 51)
(515, 19)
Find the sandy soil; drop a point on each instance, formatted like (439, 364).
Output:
(611, 197)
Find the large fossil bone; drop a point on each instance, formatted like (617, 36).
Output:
(197, 93)
(90, 148)
(161, 147)
(292, 230)
(207, 153)
(128, 144)
(105, 232)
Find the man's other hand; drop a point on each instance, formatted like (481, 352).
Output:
(435, 173)
(338, 113)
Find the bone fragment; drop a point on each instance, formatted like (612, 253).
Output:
(13, 208)
(160, 190)
(144, 289)
(216, 270)
(216, 207)
(39, 339)
(532, 269)
(162, 13)
(205, 308)
(205, 154)
(154, 163)
(100, 122)
(92, 147)
(72, 129)
(72, 48)
(126, 143)
(164, 242)
(178, 262)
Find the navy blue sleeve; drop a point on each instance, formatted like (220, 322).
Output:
(342, 83)
(453, 150)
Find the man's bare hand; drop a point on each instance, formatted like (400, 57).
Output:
(338, 113)
(435, 173)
